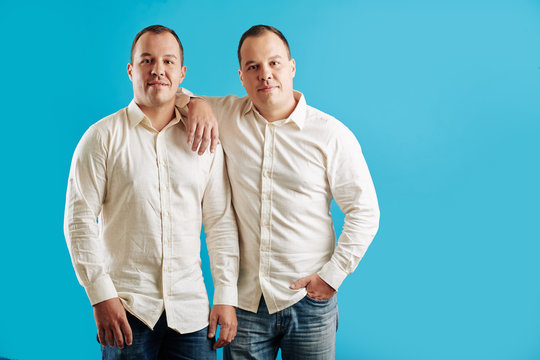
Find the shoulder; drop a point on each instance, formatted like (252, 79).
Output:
(111, 121)
(99, 133)
(327, 124)
(228, 110)
(228, 103)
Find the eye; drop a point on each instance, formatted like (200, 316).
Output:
(274, 63)
(169, 62)
(145, 61)
(252, 67)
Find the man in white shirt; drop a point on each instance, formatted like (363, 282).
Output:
(140, 262)
(286, 161)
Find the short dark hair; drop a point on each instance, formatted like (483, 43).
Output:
(158, 29)
(258, 30)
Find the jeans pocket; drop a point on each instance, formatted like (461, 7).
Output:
(317, 301)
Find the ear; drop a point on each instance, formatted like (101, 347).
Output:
(183, 70)
(293, 67)
(129, 71)
(241, 76)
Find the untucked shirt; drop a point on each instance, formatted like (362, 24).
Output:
(150, 192)
(284, 175)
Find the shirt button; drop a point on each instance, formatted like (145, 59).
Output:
(266, 223)
(267, 174)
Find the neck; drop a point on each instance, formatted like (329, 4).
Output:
(159, 116)
(275, 113)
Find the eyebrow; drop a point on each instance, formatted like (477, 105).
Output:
(167, 55)
(270, 58)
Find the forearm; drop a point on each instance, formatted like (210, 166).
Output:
(222, 106)
(86, 251)
(352, 245)
(221, 234)
(222, 244)
(352, 188)
(84, 197)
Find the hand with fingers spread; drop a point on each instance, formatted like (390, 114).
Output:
(112, 324)
(225, 317)
(202, 126)
(316, 287)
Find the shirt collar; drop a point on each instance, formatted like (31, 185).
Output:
(136, 116)
(298, 116)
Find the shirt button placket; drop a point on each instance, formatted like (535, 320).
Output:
(163, 174)
(266, 202)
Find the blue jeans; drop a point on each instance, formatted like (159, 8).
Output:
(305, 330)
(162, 343)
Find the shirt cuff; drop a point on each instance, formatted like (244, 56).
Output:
(181, 100)
(332, 275)
(183, 97)
(226, 295)
(100, 290)
(185, 91)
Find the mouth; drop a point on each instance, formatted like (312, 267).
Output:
(266, 89)
(157, 84)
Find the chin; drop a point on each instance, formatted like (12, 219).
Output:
(159, 100)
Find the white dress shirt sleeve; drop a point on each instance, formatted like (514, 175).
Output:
(353, 190)
(84, 199)
(219, 224)
(221, 106)
(183, 97)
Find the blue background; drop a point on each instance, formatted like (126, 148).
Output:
(442, 95)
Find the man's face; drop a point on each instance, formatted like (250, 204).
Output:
(267, 72)
(156, 69)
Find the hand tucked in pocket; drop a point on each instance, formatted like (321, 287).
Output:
(316, 287)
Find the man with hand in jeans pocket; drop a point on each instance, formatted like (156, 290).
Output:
(286, 161)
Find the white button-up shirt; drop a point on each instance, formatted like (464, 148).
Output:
(283, 176)
(150, 192)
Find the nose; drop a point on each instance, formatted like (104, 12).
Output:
(157, 70)
(265, 73)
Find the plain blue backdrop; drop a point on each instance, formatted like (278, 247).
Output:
(442, 95)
